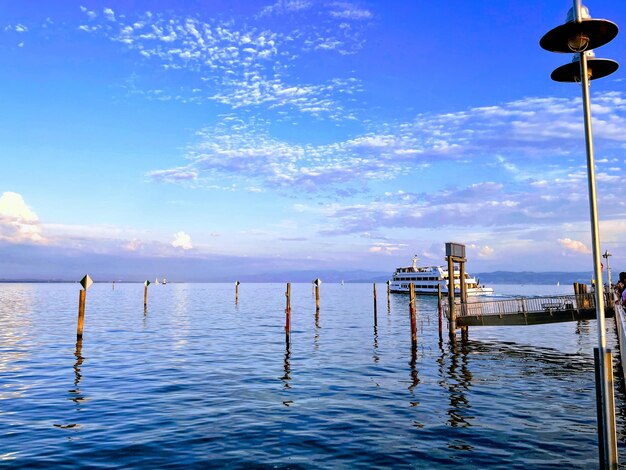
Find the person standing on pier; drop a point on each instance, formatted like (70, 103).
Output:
(620, 287)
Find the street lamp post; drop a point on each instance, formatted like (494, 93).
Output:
(606, 256)
(580, 35)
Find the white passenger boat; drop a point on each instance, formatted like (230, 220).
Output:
(426, 279)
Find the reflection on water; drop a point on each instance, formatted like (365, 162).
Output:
(201, 381)
(76, 396)
(458, 381)
(316, 337)
(375, 355)
(16, 330)
(415, 380)
(287, 368)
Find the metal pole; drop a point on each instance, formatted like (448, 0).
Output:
(608, 269)
(610, 445)
(451, 311)
(462, 286)
(578, 4)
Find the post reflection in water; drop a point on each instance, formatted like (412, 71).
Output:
(316, 338)
(75, 394)
(582, 335)
(286, 378)
(459, 381)
(287, 368)
(415, 380)
(375, 355)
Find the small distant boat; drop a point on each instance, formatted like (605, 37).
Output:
(426, 279)
(156, 281)
(558, 283)
(342, 282)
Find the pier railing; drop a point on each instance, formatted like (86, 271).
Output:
(517, 305)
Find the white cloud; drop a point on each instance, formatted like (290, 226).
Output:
(18, 28)
(182, 240)
(386, 248)
(574, 245)
(18, 222)
(109, 14)
(133, 245)
(485, 252)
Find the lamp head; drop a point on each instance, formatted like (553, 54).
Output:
(596, 68)
(579, 36)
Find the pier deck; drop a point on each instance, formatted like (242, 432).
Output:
(527, 310)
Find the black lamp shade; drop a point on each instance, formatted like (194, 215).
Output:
(598, 68)
(599, 32)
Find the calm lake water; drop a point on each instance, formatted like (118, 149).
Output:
(199, 381)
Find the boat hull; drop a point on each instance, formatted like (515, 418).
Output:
(444, 292)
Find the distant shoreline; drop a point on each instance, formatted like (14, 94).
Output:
(497, 277)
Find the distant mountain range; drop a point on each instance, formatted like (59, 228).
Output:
(530, 277)
(497, 277)
(355, 276)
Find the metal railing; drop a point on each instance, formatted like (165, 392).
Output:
(521, 305)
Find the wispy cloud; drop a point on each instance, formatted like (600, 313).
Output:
(237, 65)
(518, 138)
(18, 28)
(349, 11)
(487, 205)
(386, 248)
(286, 6)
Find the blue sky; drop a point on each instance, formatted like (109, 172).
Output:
(202, 137)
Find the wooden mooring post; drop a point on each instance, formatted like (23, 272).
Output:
(288, 314)
(81, 312)
(85, 282)
(145, 293)
(237, 291)
(451, 306)
(463, 292)
(375, 308)
(412, 315)
(455, 253)
(440, 311)
(388, 296)
(582, 299)
(317, 283)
